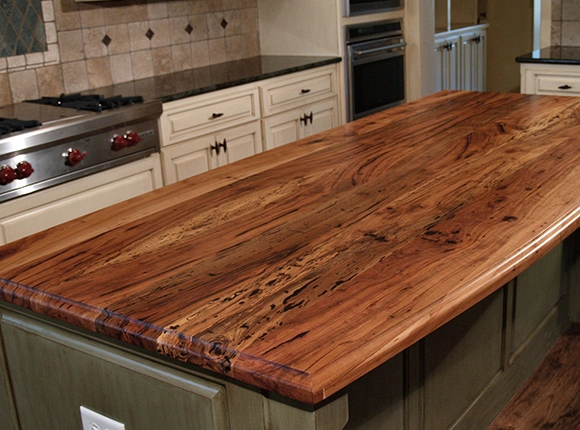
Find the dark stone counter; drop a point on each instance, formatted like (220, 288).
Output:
(552, 55)
(178, 85)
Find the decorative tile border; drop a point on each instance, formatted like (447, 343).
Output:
(91, 45)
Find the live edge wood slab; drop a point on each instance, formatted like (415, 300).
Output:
(301, 269)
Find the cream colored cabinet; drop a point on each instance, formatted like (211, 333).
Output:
(550, 79)
(207, 131)
(295, 124)
(473, 59)
(299, 106)
(199, 155)
(447, 63)
(460, 59)
(36, 212)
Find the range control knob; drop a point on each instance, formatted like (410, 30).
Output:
(119, 142)
(133, 138)
(24, 169)
(7, 175)
(74, 156)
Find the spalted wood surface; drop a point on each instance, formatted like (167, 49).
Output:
(302, 268)
(550, 398)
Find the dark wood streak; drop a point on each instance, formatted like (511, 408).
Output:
(303, 268)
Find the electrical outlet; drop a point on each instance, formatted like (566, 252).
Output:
(95, 421)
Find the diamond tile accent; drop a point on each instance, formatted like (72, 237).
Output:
(150, 34)
(189, 28)
(224, 23)
(21, 28)
(107, 40)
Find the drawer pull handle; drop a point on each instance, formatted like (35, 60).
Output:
(216, 115)
(564, 87)
(305, 90)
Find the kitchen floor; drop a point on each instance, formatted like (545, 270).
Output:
(550, 398)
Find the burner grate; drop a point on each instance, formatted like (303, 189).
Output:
(89, 102)
(10, 125)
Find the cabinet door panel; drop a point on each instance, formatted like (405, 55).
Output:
(187, 159)
(461, 359)
(538, 289)
(473, 51)
(64, 371)
(447, 65)
(242, 142)
(282, 128)
(324, 116)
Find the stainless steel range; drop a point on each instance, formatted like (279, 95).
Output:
(49, 142)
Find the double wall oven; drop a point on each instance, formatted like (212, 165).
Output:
(375, 74)
(63, 157)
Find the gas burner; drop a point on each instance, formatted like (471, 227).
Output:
(10, 125)
(89, 102)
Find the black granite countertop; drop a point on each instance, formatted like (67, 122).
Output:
(552, 55)
(202, 80)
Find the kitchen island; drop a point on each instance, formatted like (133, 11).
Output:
(315, 280)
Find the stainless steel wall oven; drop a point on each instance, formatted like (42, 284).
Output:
(375, 67)
(361, 7)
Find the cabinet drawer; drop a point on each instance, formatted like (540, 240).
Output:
(195, 116)
(285, 94)
(561, 85)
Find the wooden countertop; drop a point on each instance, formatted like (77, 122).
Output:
(303, 268)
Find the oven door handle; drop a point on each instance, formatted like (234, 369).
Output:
(386, 49)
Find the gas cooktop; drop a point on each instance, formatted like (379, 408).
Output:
(48, 142)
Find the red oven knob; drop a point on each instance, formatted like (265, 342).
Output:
(133, 138)
(7, 175)
(119, 142)
(24, 169)
(74, 157)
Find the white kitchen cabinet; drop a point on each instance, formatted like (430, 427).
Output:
(199, 155)
(550, 79)
(44, 209)
(473, 59)
(460, 59)
(203, 132)
(447, 63)
(295, 124)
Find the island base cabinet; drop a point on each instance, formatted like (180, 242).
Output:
(53, 374)
(53, 370)
(8, 420)
(572, 253)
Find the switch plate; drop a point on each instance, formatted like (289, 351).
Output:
(95, 421)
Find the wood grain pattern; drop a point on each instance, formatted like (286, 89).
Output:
(303, 268)
(550, 398)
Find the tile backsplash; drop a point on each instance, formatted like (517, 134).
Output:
(565, 23)
(21, 27)
(91, 45)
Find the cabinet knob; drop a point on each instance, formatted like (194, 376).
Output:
(305, 90)
(215, 148)
(564, 87)
(217, 115)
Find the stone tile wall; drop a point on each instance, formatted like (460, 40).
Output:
(565, 23)
(97, 44)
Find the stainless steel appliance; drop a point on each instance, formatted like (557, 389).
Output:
(375, 67)
(361, 7)
(55, 140)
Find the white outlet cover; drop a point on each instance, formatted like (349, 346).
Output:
(94, 421)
